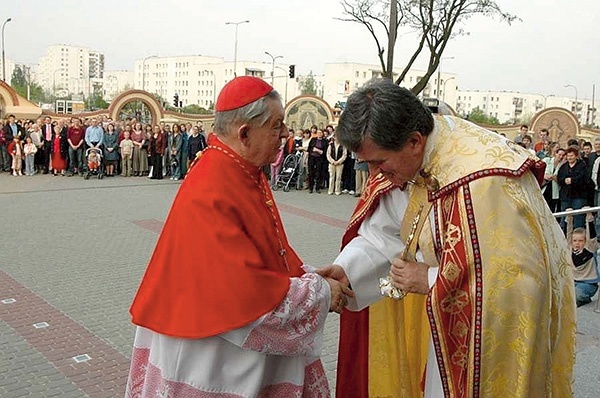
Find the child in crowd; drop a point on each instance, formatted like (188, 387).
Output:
(126, 146)
(93, 159)
(30, 150)
(276, 166)
(584, 246)
(15, 148)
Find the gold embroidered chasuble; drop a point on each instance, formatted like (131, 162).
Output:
(502, 311)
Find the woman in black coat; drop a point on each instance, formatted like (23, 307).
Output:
(317, 156)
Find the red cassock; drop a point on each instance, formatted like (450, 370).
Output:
(217, 264)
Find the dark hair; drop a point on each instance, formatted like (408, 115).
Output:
(572, 149)
(587, 143)
(573, 142)
(524, 125)
(544, 130)
(384, 112)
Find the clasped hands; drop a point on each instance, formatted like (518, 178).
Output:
(408, 276)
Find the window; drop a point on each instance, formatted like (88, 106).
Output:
(356, 73)
(364, 75)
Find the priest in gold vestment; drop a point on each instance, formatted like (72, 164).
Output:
(454, 218)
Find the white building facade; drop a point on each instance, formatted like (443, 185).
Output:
(71, 70)
(198, 79)
(115, 82)
(515, 107)
(342, 79)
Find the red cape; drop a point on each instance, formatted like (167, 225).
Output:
(216, 266)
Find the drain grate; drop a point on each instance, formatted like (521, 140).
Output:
(9, 301)
(41, 325)
(82, 358)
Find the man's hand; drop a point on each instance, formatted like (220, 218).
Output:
(410, 277)
(339, 295)
(336, 272)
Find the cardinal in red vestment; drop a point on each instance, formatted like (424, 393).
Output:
(226, 307)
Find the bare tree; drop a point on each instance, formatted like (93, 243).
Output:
(435, 21)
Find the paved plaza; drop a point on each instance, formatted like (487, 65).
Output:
(72, 253)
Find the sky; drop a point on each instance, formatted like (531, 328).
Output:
(556, 42)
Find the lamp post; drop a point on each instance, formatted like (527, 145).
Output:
(440, 76)
(4, 59)
(444, 95)
(572, 86)
(54, 80)
(236, 44)
(273, 58)
(144, 70)
(286, 82)
(546, 98)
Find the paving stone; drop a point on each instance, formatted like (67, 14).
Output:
(90, 256)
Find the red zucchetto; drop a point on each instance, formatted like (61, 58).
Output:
(241, 91)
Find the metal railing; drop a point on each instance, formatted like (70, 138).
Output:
(574, 213)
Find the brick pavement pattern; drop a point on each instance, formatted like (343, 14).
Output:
(73, 252)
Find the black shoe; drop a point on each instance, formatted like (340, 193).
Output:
(310, 191)
(318, 191)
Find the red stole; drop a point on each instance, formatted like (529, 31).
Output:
(353, 353)
(216, 266)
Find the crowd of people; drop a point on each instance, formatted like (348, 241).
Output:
(324, 164)
(68, 147)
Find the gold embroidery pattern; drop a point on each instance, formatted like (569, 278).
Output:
(451, 271)
(460, 330)
(452, 236)
(455, 301)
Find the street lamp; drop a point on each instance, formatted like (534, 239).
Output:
(273, 58)
(572, 86)
(546, 98)
(286, 82)
(144, 70)
(4, 59)
(444, 96)
(54, 80)
(440, 75)
(236, 43)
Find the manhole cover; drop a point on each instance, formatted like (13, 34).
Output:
(9, 301)
(82, 358)
(41, 325)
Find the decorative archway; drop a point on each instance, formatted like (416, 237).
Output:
(562, 125)
(145, 97)
(305, 111)
(8, 98)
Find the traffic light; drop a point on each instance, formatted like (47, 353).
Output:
(292, 71)
(176, 100)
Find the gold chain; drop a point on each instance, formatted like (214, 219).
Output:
(268, 202)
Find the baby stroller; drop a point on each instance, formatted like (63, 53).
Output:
(95, 167)
(289, 174)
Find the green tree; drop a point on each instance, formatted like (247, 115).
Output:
(195, 109)
(19, 82)
(478, 116)
(309, 85)
(435, 22)
(96, 102)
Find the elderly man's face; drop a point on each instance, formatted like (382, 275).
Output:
(263, 142)
(398, 166)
